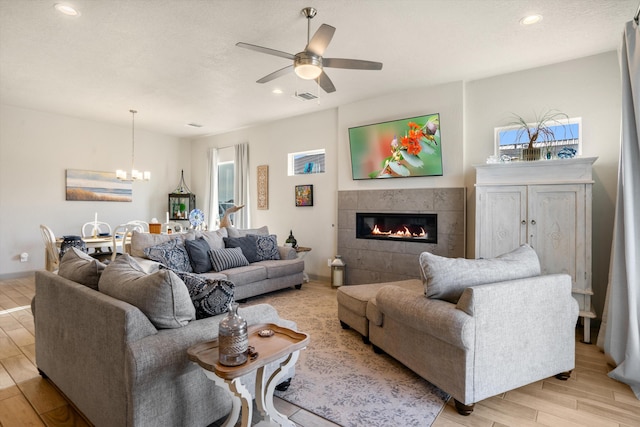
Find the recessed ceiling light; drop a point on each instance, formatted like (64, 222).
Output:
(66, 9)
(277, 91)
(194, 125)
(531, 19)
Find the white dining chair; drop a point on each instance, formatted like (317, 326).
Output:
(94, 229)
(122, 234)
(52, 254)
(144, 224)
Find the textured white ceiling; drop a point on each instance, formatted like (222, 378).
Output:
(176, 61)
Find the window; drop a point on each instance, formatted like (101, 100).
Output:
(567, 133)
(306, 162)
(225, 186)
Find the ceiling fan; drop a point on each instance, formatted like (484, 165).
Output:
(309, 63)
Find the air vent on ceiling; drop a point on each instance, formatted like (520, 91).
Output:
(304, 96)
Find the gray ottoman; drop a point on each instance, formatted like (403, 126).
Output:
(353, 300)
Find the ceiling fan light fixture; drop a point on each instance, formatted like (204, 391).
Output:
(307, 66)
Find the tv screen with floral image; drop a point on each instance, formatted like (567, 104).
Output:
(397, 149)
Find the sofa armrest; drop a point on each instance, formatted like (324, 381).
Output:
(167, 351)
(438, 318)
(287, 252)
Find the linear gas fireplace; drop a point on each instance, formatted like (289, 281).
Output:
(412, 227)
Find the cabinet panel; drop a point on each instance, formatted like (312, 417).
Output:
(557, 229)
(500, 213)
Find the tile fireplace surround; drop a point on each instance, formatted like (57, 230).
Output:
(374, 261)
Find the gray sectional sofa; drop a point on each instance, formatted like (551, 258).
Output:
(114, 340)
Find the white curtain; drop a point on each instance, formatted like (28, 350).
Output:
(620, 330)
(241, 185)
(211, 201)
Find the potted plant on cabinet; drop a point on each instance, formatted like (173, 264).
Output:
(539, 132)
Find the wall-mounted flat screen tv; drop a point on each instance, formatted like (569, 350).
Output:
(396, 149)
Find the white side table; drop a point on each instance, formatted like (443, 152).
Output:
(283, 343)
(301, 252)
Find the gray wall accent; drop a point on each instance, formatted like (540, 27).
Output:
(375, 261)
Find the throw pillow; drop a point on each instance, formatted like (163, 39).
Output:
(141, 241)
(446, 278)
(198, 251)
(161, 296)
(210, 297)
(266, 247)
(224, 259)
(239, 232)
(246, 243)
(81, 268)
(172, 253)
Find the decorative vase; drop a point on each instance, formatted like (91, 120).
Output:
(233, 339)
(292, 240)
(529, 154)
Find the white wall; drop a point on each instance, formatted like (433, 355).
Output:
(269, 145)
(35, 150)
(587, 88)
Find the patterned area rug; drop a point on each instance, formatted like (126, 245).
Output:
(340, 378)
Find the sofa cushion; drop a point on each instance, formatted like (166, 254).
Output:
(161, 295)
(198, 250)
(209, 297)
(446, 278)
(245, 275)
(141, 241)
(247, 244)
(239, 232)
(214, 238)
(282, 267)
(266, 247)
(224, 259)
(81, 268)
(171, 253)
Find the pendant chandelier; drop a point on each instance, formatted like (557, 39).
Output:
(136, 175)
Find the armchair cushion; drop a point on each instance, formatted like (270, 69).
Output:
(446, 278)
(80, 267)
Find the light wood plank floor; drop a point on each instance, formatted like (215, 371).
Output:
(588, 398)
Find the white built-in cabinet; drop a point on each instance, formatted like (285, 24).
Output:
(546, 204)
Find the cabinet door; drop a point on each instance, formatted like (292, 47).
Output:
(500, 213)
(557, 229)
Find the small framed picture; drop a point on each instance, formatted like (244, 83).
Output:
(304, 195)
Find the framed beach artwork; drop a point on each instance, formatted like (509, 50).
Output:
(95, 186)
(304, 195)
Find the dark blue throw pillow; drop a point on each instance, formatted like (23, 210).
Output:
(247, 244)
(198, 250)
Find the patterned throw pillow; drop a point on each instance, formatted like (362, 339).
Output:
(266, 247)
(173, 254)
(210, 297)
(224, 259)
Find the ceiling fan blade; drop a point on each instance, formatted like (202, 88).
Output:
(266, 50)
(321, 39)
(276, 74)
(325, 83)
(352, 64)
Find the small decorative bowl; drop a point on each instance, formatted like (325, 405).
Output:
(266, 333)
